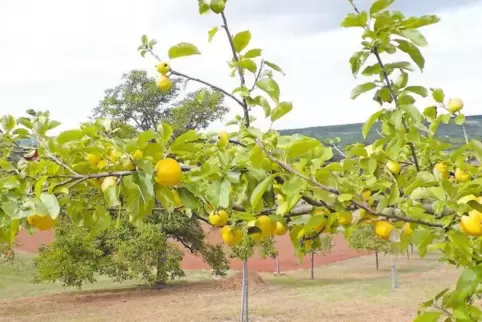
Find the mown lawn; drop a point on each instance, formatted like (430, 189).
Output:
(350, 290)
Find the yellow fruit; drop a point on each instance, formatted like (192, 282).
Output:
(407, 229)
(102, 164)
(177, 199)
(163, 68)
(454, 105)
(466, 199)
(345, 218)
(107, 182)
(218, 218)
(257, 237)
(92, 159)
(137, 155)
(442, 169)
(266, 225)
(127, 164)
(280, 229)
(471, 224)
(383, 229)
(394, 166)
(461, 175)
(223, 139)
(231, 236)
(168, 172)
(41, 222)
(164, 83)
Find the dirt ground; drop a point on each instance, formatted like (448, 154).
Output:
(350, 291)
(287, 259)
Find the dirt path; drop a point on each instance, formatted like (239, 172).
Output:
(287, 259)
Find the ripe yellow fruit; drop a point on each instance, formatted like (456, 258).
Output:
(454, 105)
(442, 169)
(366, 195)
(394, 167)
(41, 222)
(218, 218)
(280, 229)
(137, 155)
(127, 164)
(256, 237)
(92, 159)
(223, 139)
(168, 172)
(231, 236)
(345, 218)
(407, 229)
(266, 225)
(164, 83)
(163, 68)
(107, 182)
(461, 175)
(471, 224)
(383, 229)
(177, 199)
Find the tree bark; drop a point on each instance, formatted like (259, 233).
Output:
(376, 258)
(312, 265)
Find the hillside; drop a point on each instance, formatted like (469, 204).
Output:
(351, 133)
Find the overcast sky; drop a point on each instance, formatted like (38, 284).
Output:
(61, 55)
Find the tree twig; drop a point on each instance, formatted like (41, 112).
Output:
(239, 69)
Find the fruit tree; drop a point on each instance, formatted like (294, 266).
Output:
(232, 180)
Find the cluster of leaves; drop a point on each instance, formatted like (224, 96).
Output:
(241, 175)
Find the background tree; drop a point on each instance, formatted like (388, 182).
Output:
(138, 104)
(363, 237)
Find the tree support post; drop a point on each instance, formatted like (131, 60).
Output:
(244, 293)
(394, 274)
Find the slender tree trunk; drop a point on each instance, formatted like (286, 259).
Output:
(376, 258)
(277, 266)
(411, 246)
(312, 265)
(408, 254)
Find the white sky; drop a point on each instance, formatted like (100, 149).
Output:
(62, 55)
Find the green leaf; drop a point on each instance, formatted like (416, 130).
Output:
(412, 51)
(363, 88)
(249, 65)
(8, 122)
(217, 6)
(428, 317)
(70, 135)
(300, 147)
(188, 199)
(414, 113)
(263, 102)
(355, 20)
(279, 111)
(144, 39)
(211, 33)
(7, 166)
(417, 22)
(475, 205)
(379, 6)
(467, 283)
(420, 90)
(414, 36)
(369, 123)
(49, 205)
(260, 189)
(39, 185)
(270, 87)
(476, 146)
(459, 119)
(438, 95)
(203, 7)
(274, 67)
(241, 40)
(138, 192)
(218, 193)
(111, 195)
(357, 60)
(252, 53)
(182, 49)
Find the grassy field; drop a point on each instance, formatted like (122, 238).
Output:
(351, 290)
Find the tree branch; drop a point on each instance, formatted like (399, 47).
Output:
(336, 192)
(240, 70)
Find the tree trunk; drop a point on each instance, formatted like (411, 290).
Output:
(277, 266)
(312, 265)
(411, 246)
(408, 255)
(376, 258)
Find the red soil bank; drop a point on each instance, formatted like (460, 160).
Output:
(287, 259)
